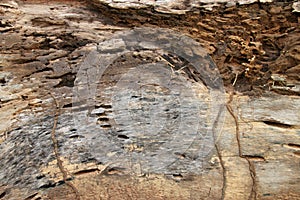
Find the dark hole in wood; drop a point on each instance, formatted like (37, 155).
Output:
(123, 136)
(2, 81)
(177, 176)
(277, 124)
(106, 126)
(69, 105)
(293, 145)
(103, 119)
(24, 97)
(2, 194)
(297, 153)
(105, 106)
(48, 185)
(31, 196)
(67, 80)
(180, 155)
(40, 176)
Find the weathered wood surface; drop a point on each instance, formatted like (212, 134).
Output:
(253, 151)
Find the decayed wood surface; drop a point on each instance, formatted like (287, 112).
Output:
(44, 155)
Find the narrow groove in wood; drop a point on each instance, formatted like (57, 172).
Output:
(253, 194)
(56, 153)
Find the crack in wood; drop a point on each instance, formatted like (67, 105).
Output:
(293, 146)
(199, 33)
(253, 194)
(55, 147)
(219, 154)
(3, 194)
(277, 124)
(32, 196)
(223, 171)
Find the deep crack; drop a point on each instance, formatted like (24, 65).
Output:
(55, 147)
(224, 184)
(223, 171)
(253, 193)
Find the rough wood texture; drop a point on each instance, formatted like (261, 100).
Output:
(104, 144)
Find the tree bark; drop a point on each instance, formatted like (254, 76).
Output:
(98, 101)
